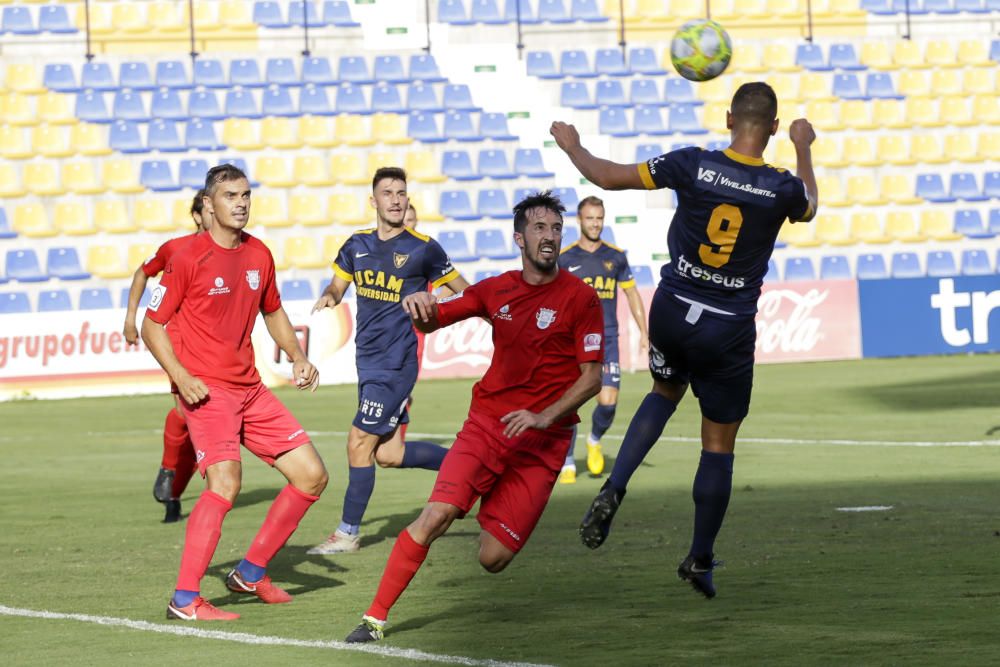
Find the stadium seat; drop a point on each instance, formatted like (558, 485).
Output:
(575, 62)
(994, 222)
(859, 114)
(969, 223)
(458, 126)
(931, 188)
(587, 11)
(301, 252)
(867, 228)
(960, 148)
(54, 300)
(301, 12)
(810, 56)
(985, 110)
(963, 186)
(553, 11)
(610, 93)
(90, 107)
(152, 215)
(643, 60)
(124, 137)
(386, 98)
(22, 266)
(240, 134)
(421, 166)
(614, 121)
(937, 225)
(880, 85)
(453, 12)
(6, 232)
(923, 112)
(570, 200)
(273, 172)
(347, 168)
(901, 226)
(843, 57)
(308, 210)
(799, 235)
(481, 275)
(456, 245)
(55, 19)
(317, 70)
(60, 77)
(164, 137)
(799, 268)
(277, 101)
(459, 98)
(907, 54)
(824, 115)
(41, 179)
(493, 126)
(528, 163)
(894, 149)
(97, 77)
(649, 121)
(495, 244)
(927, 149)
(423, 67)
(991, 185)
(832, 229)
(486, 12)
(99, 298)
(898, 189)
(645, 152)
(906, 265)
(422, 97)
(166, 104)
(525, 8)
(423, 127)
(492, 203)
(646, 92)
(31, 220)
(129, 106)
(241, 103)
(457, 165)
(73, 219)
(354, 69)
(14, 303)
(571, 234)
(338, 13)
(269, 210)
(974, 53)
(313, 100)
(576, 95)
(350, 99)
(111, 217)
(208, 73)
(975, 262)
(297, 290)
(847, 87)
(347, 209)
(610, 62)
(204, 104)
(834, 267)
(780, 58)
(680, 91)
(871, 267)
(200, 135)
(542, 65)
(455, 204)
(269, 15)
(156, 175)
(311, 171)
(172, 74)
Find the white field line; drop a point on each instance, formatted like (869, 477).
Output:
(866, 508)
(260, 640)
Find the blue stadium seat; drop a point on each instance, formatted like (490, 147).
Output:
(970, 223)
(941, 264)
(99, 298)
(847, 87)
(351, 99)
(483, 274)
(317, 70)
(455, 204)
(963, 186)
(128, 105)
(298, 18)
(268, 15)
(834, 267)
(643, 60)
(313, 101)
(64, 264)
(553, 11)
(610, 94)
(55, 19)
(527, 11)
(14, 302)
(354, 69)
(799, 268)
(843, 56)
(245, 72)
(5, 230)
(906, 265)
(810, 56)
(939, 7)
(18, 21)
(458, 166)
(277, 101)
(994, 223)
(242, 164)
(124, 137)
(542, 65)
(495, 244)
(492, 163)
(576, 95)
(423, 127)
(453, 12)
(494, 126)
(241, 103)
(390, 69)
(205, 105)
(297, 290)
(422, 97)
(486, 12)
(423, 67)
(163, 136)
(878, 7)
(60, 77)
(200, 135)
(586, 10)
(677, 90)
(281, 71)
(931, 188)
(456, 245)
(90, 107)
(991, 184)
(571, 234)
(772, 274)
(645, 91)
(649, 121)
(54, 300)
(571, 200)
(871, 266)
(972, 6)
(684, 120)
(492, 203)
(457, 96)
(23, 266)
(458, 126)
(645, 152)
(916, 7)
(136, 76)
(575, 63)
(614, 121)
(643, 275)
(975, 262)
(610, 62)
(191, 173)
(879, 85)
(208, 73)
(156, 175)
(386, 99)
(338, 13)
(528, 162)
(172, 74)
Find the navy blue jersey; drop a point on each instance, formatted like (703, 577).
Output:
(730, 208)
(383, 272)
(606, 269)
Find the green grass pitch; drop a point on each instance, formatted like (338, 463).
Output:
(802, 584)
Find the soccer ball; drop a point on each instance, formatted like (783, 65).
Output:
(701, 50)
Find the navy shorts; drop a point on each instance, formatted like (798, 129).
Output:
(611, 371)
(715, 354)
(382, 399)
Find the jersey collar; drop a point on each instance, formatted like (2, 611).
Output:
(743, 159)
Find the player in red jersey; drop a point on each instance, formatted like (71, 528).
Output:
(211, 294)
(177, 464)
(548, 330)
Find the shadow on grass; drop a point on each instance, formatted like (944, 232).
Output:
(969, 390)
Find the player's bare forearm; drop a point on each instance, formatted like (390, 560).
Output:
(586, 387)
(802, 135)
(139, 279)
(602, 173)
(283, 333)
(638, 310)
(422, 309)
(332, 295)
(154, 335)
(456, 285)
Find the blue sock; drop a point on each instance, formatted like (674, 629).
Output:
(713, 484)
(570, 461)
(601, 420)
(420, 454)
(250, 572)
(643, 432)
(184, 598)
(360, 485)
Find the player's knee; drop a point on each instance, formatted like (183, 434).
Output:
(494, 562)
(227, 487)
(673, 391)
(317, 481)
(388, 458)
(435, 519)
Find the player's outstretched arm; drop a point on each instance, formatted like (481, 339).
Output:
(802, 135)
(332, 295)
(190, 388)
(456, 285)
(281, 330)
(585, 388)
(639, 315)
(602, 173)
(422, 309)
(139, 279)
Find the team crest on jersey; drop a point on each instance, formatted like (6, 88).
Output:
(609, 265)
(399, 259)
(544, 317)
(253, 279)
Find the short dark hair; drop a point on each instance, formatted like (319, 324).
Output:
(589, 201)
(222, 174)
(197, 204)
(413, 208)
(544, 199)
(393, 173)
(754, 104)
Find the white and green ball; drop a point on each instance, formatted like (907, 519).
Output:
(701, 50)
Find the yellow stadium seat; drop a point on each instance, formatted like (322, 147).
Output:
(129, 17)
(786, 87)
(348, 209)
(786, 9)
(986, 109)
(827, 152)
(681, 10)
(81, 179)
(867, 228)
(960, 148)
(824, 116)
(914, 83)
(32, 220)
(307, 209)
(390, 128)
(55, 109)
(99, 20)
(815, 86)
(864, 191)
(138, 253)
(858, 151)
(907, 53)
(206, 17)
(269, 211)
(111, 217)
(352, 130)
(106, 261)
(273, 172)
(890, 113)
(422, 167)
(51, 141)
(857, 115)
(831, 192)
(302, 253)
(41, 179)
(18, 109)
(311, 170)
(241, 134)
(988, 147)
(979, 82)
(165, 16)
(923, 112)
(73, 218)
(901, 226)
(780, 57)
(237, 15)
(877, 56)
(332, 246)
(719, 89)
(747, 59)
(937, 225)
(974, 53)
(895, 149)
(14, 143)
(714, 117)
(277, 132)
(941, 53)
(945, 82)
(10, 181)
(927, 149)
(801, 235)
(426, 204)
(317, 131)
(832, 229)
(181, 216)
(90, 139)
(725, 10)
(152, 216)
(24, 78)
(898, 188)
(377, 159)
(347, 168)
(119, 175)
(279, 259)
(956, 111)
(841, 9)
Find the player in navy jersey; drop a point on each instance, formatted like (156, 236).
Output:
(385, 264)
(701, 322)
(605, 268)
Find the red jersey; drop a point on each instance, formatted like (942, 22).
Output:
(211, 296)
(541, 335)
(155, 264)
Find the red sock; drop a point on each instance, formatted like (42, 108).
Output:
(402, 431)
(175, 438)
(406, 558)
(186, 465)
(282, 520)
(203, 531)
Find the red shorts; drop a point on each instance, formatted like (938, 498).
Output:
(251, 415)
(514, 476)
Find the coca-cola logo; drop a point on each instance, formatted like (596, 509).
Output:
(785, 320)
(469, 343)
